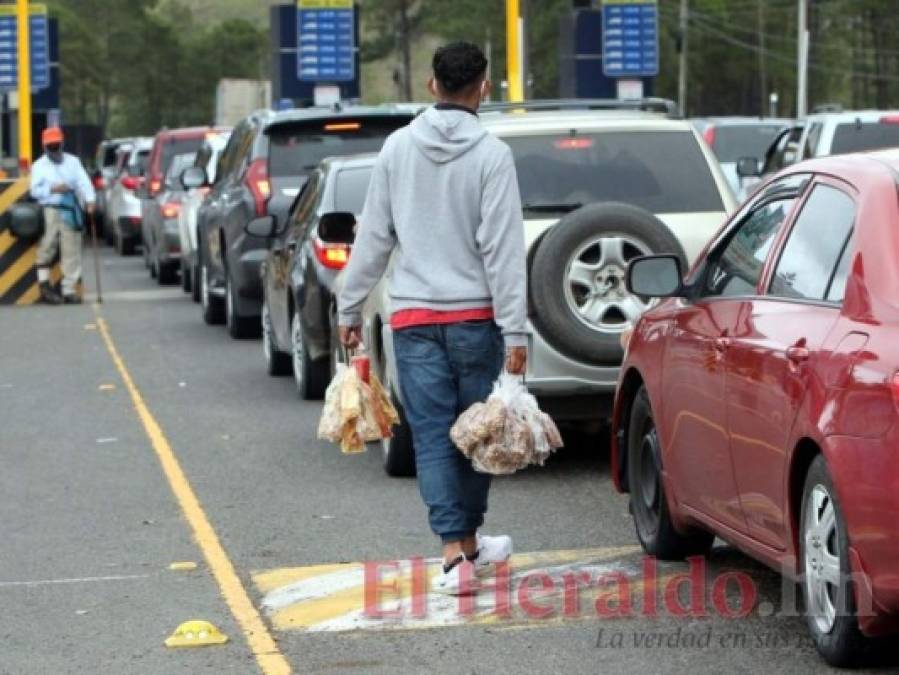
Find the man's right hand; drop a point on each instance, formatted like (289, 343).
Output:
(516, 360)
(60, 188)
(351, 336)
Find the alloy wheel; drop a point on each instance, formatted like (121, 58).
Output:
(595, 283)
(298, 349)
(266, 332)
(822, 559)
(204, 286)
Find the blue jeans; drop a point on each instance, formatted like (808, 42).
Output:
(443, 370)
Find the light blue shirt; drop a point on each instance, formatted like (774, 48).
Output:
(46, 173)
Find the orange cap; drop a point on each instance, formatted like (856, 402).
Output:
(51, 135)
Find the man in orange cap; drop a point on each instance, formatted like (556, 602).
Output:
(62, 186)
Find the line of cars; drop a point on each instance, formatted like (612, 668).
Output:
(758, 403)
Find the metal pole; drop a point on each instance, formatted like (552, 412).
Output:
(514, 51)
(682, 63)
(802, 61)
(24, 74)
(96, 247)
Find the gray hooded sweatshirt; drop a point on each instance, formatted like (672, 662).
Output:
(444, 196)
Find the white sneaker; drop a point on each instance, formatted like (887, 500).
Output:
(492, 550)
(458, 581)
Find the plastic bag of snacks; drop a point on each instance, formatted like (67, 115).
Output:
(357, 408)
(507, 432)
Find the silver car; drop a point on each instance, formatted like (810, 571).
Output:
(123, 205)
(599, 187)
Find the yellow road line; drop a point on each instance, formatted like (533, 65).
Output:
(270, 659)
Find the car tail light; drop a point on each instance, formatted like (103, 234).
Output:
(131, 182)
(170, 209)
(889, 119)
(894, 388)
(259, 185)
(709, 135)
(573, 143)
(99, 183)
(155, 185)
(332, 256)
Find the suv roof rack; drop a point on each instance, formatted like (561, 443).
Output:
(649, 104)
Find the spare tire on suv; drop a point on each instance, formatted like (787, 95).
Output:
(578, 297)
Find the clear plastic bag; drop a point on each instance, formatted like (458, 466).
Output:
(356, 412)
(507, 432)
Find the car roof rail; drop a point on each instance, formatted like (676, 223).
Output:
(651, 104)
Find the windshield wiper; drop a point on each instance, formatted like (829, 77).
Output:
(552, 207)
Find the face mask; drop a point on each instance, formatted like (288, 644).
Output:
(55, 151)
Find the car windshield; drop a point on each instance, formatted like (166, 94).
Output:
(295, 151)
(860, 137)
(351, 188)
(744, 140)
(177, 167)
(141, 161)
(660, 171)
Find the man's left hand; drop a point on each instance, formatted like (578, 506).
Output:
(351, 336)
(516, 360)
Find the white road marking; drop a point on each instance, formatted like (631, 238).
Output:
(77, 580)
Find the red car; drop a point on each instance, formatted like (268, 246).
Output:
(758, 402)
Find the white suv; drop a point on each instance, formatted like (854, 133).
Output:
(601, 183)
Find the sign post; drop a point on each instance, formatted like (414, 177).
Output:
(326, 40)
(630, 43)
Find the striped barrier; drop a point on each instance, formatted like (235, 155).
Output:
(18, 276)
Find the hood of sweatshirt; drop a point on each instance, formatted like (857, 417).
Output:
(444, 135)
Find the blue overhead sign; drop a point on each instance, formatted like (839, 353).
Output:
(630, 38)
(40, 47)
(326, 40)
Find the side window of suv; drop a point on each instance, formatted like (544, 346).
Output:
(810, 257)
(226, 159)
(738, 268)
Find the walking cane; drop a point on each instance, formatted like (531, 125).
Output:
(96, 256)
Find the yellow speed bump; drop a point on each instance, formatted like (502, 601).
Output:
(196, 633)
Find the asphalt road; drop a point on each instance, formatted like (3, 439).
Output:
(204, 458)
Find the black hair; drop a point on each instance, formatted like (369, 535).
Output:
(458, 65)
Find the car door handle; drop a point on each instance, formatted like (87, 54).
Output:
(721, 344)
(797, 354)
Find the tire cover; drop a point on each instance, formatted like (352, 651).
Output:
(551, 313)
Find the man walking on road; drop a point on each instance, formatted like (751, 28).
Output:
(444, 196)
(58, 182)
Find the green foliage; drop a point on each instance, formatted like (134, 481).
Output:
(133, 66)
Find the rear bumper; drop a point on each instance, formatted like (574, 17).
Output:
(130, 227)
(865, 473)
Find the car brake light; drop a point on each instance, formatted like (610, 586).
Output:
(259, 185)
(343, 126)
(99, 183)
(332, 256)
(170, 209)
(894, 388)
(130, 182)
(155, 186)
(709, 135)
(573, 143)
(889, 119)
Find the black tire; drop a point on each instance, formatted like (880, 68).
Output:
(276, 362)
(186, 280)
(213, 306)
(649, 503)
(195, 283)
(398, 453)
(123, 246)
(239, 327)
(578, 236)
(166, 273)
(311, 377)
(842, 644)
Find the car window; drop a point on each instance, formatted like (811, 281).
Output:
(177, 167)
(295, 149)
(811, 143)
(813, 248)
(861, 137)
(307, 199)
(178, 146)
(226, 159)
(351, 188)
(743, 140)
(837, 290)
(660, 171)
(738, 268)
